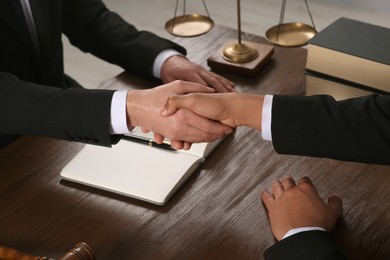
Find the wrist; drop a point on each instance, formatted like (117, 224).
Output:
(249, 110)
(161, 59)
(294, 231)
(118, 113)
(133, 105)
(169, 63)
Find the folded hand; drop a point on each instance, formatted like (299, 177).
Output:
(293, 205)
(180, 68)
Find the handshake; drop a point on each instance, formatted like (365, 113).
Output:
(187, 112)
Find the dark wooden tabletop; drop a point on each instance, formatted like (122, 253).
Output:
(216, 214)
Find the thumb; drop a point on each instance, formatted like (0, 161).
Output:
(335, 207)
(267, 199)
(171, 106)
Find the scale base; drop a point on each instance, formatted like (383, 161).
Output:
(240, 53)
(250, 68)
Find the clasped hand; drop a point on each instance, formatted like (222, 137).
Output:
(230, 109)
(185, 126)
(293, 205)
(144, 106)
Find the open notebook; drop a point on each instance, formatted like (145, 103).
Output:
(137, 170)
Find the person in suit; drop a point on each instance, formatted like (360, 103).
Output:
(356, 129)
(301, 221)
(37, 98)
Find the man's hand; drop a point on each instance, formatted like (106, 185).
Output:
(180, 68)
(144, 106)
(299, 205)
(232, 109)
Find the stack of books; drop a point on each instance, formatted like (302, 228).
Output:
(348, 59)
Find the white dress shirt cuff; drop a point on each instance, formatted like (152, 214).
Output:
(118, 121)
(160, 59)
(301, 229)
(266, 118)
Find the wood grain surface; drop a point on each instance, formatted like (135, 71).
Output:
(217, 214)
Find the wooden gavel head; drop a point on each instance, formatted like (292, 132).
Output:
(81, 251)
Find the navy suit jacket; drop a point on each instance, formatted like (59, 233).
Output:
(36, 98)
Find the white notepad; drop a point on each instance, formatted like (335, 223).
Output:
(137, 170)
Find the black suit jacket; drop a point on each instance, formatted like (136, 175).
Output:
(353, 130)
(308, 245)
(36, 98)
(356, 129)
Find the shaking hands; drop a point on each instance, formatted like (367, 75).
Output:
(144, 107)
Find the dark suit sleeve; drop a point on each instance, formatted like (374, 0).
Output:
(317, 245)
(353, 130)
(74, 114)
(93, 28)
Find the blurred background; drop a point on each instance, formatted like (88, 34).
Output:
(256, 17)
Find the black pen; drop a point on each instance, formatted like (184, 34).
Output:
(149, 142)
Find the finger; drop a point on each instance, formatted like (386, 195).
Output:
(193, 128)
(212, 81)
(219, 83)
(177, 145)
(158, 138)
(267, 199)
(186, 87)
(306, 185)
(187, 146)
(144, 130)
(305, 179)
(288, 182)
(199, 79)
(228, 84)
(207, 125)
(277, 188)
(172, 104)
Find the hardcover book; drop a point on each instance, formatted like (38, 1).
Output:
(135, 169)
(317, 84)
(354, 51)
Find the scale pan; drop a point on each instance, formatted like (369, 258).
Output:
(290, 34)
(189, 25)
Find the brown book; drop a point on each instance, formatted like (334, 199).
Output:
(353, 51)
(320, 84)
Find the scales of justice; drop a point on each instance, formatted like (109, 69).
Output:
(237, 56)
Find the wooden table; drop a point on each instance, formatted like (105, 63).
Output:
(217, 214)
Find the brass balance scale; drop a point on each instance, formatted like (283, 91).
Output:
(189, 25)
(237, 56)
(291, 34)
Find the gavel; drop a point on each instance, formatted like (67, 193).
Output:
(81, 251)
